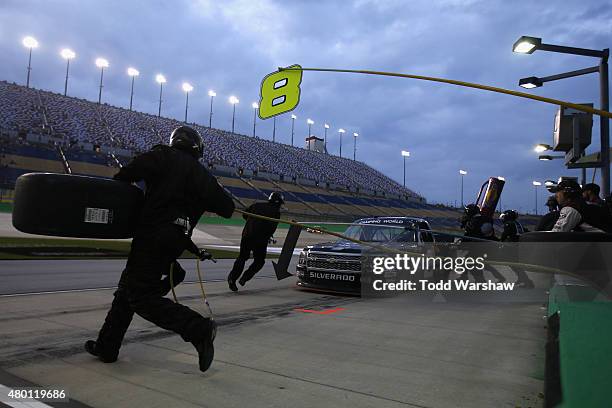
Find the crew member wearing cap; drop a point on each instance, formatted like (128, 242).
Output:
(575, 213)
(255, 237)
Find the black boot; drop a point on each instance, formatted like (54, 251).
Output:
(205, 347)
(232, 285)
(242, 282)
(92, 348)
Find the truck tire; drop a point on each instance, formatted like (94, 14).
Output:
(66, 205)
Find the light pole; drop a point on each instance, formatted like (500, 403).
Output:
(341, 131)
(233, 100)
(187, 88)
(325, 126)
(405, 154)
(528, 45)
(255, 107)
(161, 80)
(310, 123)
(133, 72)
(536, 184)
(30, 43)
(355, 135)
(274, 129)
(293, 118)
(462, 173)
(500, 202)
(67, 54)
(101, 63)
(212, 95)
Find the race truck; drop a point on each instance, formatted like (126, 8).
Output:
(336, 266)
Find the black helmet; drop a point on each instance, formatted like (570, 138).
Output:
(509, 215)
(187, 139)
(276, 198)
(471, 209)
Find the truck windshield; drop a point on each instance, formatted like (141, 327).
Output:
(380, 233)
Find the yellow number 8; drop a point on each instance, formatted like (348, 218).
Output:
(280, 92)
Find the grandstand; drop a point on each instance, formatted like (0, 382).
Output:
(44, 131)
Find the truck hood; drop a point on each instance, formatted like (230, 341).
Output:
(341, 246)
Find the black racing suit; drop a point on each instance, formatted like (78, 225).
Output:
(548, 221)
(255, 237)
(177, 186)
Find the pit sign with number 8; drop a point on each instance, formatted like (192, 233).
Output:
(280, 92)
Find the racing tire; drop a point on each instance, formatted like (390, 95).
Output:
(66, 205)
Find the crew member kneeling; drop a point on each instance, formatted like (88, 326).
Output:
(255, 237)
(178, 191)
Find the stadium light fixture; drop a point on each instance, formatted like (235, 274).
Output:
(101, 63)
(161, 80)
(233, 100)
(355, 135)
(132, 72)
(341, 131)
(528, 45)
(536, 184)
(255, 106)
(530, 82)
(462, 173)
(310, 123)
(550, 183)
(212, 95)
(541, 147)
(187, 87)
(325, 127)
(67, 54)
(501, 178)
(30, 43)
(293, 118)
(405, 154)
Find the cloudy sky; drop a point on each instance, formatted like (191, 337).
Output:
(229, 46)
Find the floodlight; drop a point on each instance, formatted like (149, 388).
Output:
(536, 183)
(132, 72)
(293, 117)
(67, 53)
(233, 100)
(212, 93)
(530, 82)
(255, 105)
(462, 172)
(187, 87)
(101, 63)
(30, 42)
(160, 79)
(310, 121)
(405, 153)
(526, 45)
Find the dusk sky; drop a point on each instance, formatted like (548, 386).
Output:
(229, 46)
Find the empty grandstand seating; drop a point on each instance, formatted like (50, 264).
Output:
(93, 139)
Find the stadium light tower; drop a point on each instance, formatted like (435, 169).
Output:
(527, 45)
(341, 131)
(233, 100)
(355, 135)
(462, 173)
(255, 107)
(536, 184)
(133, 72)
(405, 154)
(101, 63)
(30, 43)
(310, 123)
(325, 126)
(67, 54)
(274, 129)
(187, 88)
(212, 95)
(161, 80)
(293, 118)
